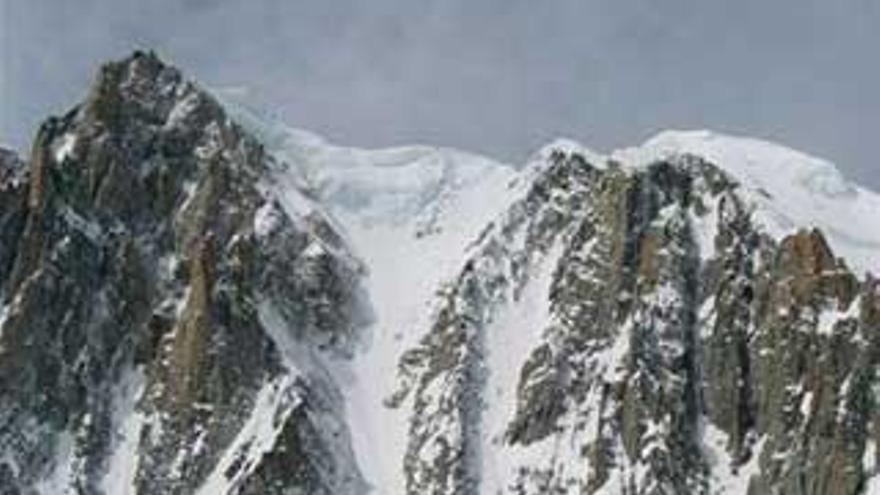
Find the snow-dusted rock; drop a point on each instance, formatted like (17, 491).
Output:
(159, 335)
(195, 299)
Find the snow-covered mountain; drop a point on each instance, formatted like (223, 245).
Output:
(196, 299)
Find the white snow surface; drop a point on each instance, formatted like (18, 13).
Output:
(4, 314)
(828, 317)
(63, 147)
(410, 214)
(120, 476)
(872, 470)
(509, 342)
(726, 478)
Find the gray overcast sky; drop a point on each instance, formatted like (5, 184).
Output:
(499, 77)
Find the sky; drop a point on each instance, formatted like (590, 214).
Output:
(496, 77)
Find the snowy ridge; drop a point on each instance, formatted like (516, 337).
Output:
(378, 186)
(788, 189)
(567, 147)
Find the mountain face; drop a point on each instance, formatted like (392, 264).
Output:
(169, 317)
(194, 299)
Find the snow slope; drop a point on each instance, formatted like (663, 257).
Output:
(409, 214)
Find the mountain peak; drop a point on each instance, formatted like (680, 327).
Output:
(786, 188)
(155, 274)
(752, 161)
(566, 147)
(144, 88)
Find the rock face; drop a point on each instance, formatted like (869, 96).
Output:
(167, 321)
(676, 348)
(181, 311)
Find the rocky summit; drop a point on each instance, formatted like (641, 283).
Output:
(196, 299)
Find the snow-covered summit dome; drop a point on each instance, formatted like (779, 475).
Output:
(789, 189)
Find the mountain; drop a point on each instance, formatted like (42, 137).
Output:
(172, 312)
(197, 299)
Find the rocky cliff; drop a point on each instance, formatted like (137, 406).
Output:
(633, 332)
(196, 300)
(168, 317)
